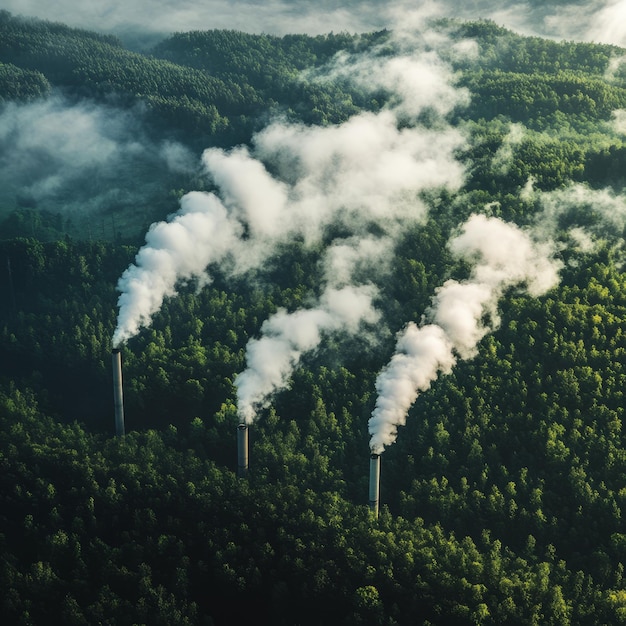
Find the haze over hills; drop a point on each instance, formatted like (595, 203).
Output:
(600, 21)
(403, 237)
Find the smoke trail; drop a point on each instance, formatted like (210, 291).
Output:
(368, 171)
(342, 309)
(362, 172)
(200, 233)
(287, 336)
(461, 314)
(296, 181)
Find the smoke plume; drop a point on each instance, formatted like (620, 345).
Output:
(199, 234)
(361, 177)
(366, 172)
(362, 172)
(287, 336)
(462, 313)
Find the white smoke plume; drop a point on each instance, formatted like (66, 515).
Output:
(356, 259)
(367, 171)
(362, 172)
(199, 234)
(419, 82)
(461, 315)
(342, 309)
(296, 181)
(286, 337)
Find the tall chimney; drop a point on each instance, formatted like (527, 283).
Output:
(374, 483)
(242, 450)
(118, 397)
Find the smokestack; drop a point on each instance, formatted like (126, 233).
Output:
(242, 450)
(374, 483)
(118, 397)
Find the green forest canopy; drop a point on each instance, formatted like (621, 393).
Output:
(503, 497)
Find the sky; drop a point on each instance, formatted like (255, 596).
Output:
(601, 21)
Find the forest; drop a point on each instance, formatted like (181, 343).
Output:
(502, 496)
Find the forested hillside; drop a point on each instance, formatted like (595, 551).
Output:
(503, 496)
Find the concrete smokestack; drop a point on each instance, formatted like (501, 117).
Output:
(118, 396)
(242, 450)
(374, 483)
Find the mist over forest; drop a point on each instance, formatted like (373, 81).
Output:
(142, 23)
(384, 241)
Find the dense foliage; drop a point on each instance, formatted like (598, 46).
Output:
(504, 495)
(19, 84)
